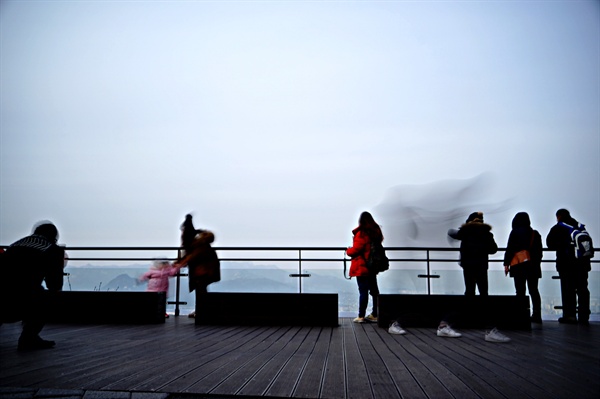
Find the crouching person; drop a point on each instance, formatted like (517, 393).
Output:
(26, 264)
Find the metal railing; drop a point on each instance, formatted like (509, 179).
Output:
(336, 255)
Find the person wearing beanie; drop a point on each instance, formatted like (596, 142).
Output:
(28, 263)
(573, 271)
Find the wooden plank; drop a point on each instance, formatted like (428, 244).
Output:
(334, 382)
(311, 379)
(357, 377)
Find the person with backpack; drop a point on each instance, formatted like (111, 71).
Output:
(367, 232)
(523, 259)
(574, 250)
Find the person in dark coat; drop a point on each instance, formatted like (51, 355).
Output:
(476, 244)
(26, 264)
(523, 237)
(203, 264)
(573, 271)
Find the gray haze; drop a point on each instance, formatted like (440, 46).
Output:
(277, 123)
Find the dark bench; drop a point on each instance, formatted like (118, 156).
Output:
(506, 311)
(240, 308)
(109, 307)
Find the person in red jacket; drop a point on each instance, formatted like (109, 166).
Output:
(367, 231)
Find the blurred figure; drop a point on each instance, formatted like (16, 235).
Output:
(366, 232)
(158, 276)
(476, 244)
(203, 265)
(26, 264)
(188, 234)
(523, 237)
(573, 271)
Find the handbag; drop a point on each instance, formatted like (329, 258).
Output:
(522, 256)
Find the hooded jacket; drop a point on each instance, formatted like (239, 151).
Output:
(359, 252)
(203, 263)
(476, 243)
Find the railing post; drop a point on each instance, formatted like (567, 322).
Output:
(300, 268)
(177, 286)
(429, 274)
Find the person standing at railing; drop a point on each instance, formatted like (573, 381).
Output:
(26, 264)
(476, 244)
(368, 230)
(572, 267)
(526, 274)
(203, 264)
(158, 276)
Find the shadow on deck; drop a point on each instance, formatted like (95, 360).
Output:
(179, 359)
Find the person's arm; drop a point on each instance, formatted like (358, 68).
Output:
(55, 263)
(359, 245)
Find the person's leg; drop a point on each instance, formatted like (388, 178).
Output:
(470, 282)
(363, 295)
(536, 299)
(482, 281)
(35, 313)
(568, 295)
(374, 291)
(583, 296)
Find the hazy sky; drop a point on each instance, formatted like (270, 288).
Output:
(278, 122)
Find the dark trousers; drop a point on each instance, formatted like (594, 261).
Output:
(523, 282)
(367, 285)
(476, 277)
(574, 292)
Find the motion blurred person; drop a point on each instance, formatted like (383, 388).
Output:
(366, 232)
(203, 265)
(573, 271)
(523, 237)
(28, 263)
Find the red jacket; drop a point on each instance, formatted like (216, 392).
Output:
(359, 252)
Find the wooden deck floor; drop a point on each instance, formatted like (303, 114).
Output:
(352, 361)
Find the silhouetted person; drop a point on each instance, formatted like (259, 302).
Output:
(476, 244)
(188, 234)
(573, 271)
(527, 274)
(367, 231)
(203, 264)
(27, 263)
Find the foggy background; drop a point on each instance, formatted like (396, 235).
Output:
(277, 123)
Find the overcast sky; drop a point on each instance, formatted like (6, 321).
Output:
(278, 122)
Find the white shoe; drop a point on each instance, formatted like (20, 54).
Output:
(446, 331)
(496, 336)
(359, 320)
(396, 329)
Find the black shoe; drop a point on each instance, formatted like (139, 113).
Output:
(35, 344)
(536, 319)
(584, 322)
(567, 320)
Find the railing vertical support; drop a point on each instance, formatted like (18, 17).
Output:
(178, 286)
(429, 274)
(300, 269)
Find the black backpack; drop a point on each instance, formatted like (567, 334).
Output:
(581, 241)
(378, 261)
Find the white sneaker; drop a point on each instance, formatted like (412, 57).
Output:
(446, 331)
(359, 320)
(396, 329)
(496, 336)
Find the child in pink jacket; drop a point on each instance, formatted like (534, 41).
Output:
(158, 276)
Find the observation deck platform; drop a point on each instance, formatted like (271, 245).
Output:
(179, 359)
